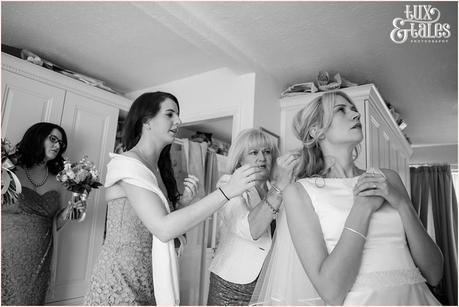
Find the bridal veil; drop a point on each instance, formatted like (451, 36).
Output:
(283, 280)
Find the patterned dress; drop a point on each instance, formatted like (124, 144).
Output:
(27, 245)
(123, 273)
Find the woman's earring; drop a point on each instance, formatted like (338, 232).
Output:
(313, 132)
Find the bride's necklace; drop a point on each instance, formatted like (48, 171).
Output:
(36, 185)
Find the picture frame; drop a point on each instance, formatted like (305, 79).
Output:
(272, 135)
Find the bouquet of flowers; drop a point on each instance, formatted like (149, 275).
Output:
(80, 178)
(11, 187)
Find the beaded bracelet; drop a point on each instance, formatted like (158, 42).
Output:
(274, 210)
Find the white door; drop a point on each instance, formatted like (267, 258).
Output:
(91, 128)
(26, 102)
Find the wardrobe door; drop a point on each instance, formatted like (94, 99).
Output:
(26, 102)
(91, 128)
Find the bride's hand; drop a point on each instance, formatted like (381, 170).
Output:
(377, 184)
(363, 192)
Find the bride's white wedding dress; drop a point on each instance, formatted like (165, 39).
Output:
(387, 275)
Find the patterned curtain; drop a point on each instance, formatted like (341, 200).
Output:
(434, 198)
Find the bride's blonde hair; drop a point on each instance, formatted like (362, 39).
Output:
(309, 126)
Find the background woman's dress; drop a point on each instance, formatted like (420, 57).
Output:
(123, 274)
(27, 245)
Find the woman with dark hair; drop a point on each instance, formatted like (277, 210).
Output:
(27, 225)
(138, 261)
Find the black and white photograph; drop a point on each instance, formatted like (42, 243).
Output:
(229, 153)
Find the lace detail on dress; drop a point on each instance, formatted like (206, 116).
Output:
(27, 243)
(375, 280)
(123, 272)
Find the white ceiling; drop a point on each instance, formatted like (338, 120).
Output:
(135, 45)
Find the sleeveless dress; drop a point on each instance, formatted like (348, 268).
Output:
(387, 274)
(27, 246)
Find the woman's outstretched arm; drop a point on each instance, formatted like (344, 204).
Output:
(166, 226)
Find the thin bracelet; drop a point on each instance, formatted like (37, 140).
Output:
(223, 193)
(275, 211)
(355, 231)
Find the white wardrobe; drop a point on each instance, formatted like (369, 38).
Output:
(384, 145)
(89, 116)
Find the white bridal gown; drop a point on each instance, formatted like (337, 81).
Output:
(387, 275)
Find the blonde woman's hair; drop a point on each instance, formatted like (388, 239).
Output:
(309, 126)
(247, 138)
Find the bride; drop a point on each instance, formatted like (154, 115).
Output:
(345, 236)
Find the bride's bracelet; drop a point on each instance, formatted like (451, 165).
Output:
(356, 232)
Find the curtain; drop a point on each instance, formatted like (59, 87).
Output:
(211, 172)
(190, 260)
(434, 198)
(201, 163)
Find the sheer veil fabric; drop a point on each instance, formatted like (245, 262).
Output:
(283, 280)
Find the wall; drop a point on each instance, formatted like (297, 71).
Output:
(267, 106)
(213, 94)
(435, 154)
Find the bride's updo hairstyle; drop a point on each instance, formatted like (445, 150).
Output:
(309, 126)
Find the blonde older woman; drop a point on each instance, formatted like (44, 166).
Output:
(245, 220)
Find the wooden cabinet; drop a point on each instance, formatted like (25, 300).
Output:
(89, 116)
(384, 146)
(26, 101)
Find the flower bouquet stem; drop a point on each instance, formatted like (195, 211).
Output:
(77, 210)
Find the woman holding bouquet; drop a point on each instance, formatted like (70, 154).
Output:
(27, 224)
(138, 262)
